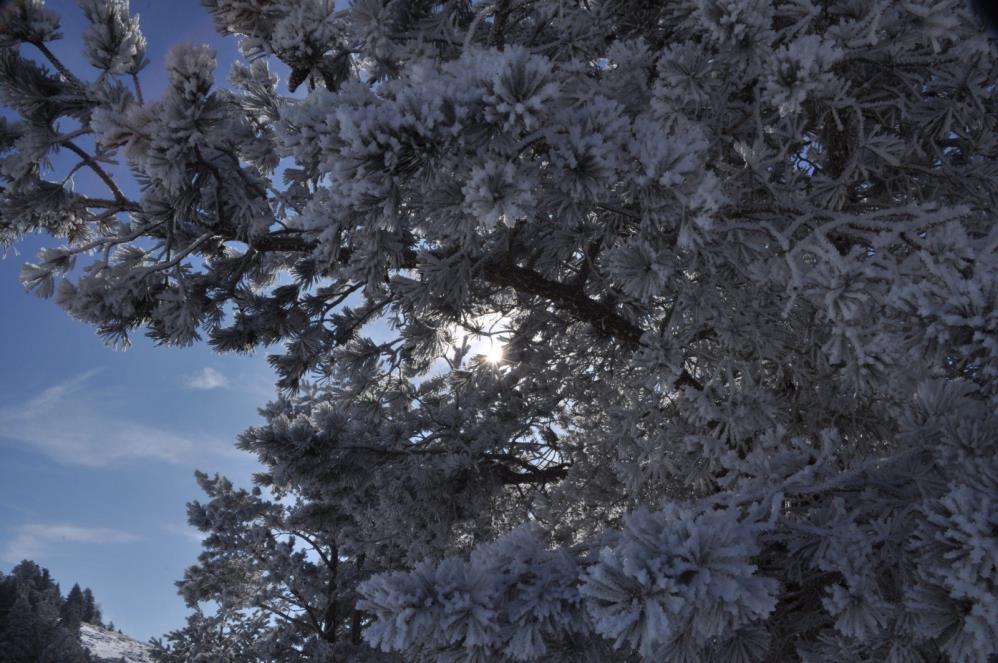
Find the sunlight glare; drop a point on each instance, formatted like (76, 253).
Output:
(493, 352)
(489, 343)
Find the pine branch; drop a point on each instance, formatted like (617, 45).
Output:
(501, 272)
(99, 171)
(60, 67)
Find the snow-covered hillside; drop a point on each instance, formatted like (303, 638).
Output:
(111, 646)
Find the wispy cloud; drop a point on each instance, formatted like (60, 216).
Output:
(207, 378)
(185, 531)
(36, 541)
(73, 422)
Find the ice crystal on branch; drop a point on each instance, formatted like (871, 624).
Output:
(113, 42)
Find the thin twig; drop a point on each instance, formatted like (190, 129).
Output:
(138, 88)
(96, 167)
(60, 67)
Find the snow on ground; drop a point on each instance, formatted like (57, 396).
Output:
(111, 646)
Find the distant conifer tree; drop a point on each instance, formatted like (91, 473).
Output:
(35, 624)
(91, 612)
(73, 608)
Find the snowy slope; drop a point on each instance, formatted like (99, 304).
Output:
(110, 646)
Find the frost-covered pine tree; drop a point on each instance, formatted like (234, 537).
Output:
(739, 257)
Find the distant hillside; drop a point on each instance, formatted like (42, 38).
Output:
(110, 646)
(38, 624)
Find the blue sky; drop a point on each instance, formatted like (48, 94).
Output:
(98, 447)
